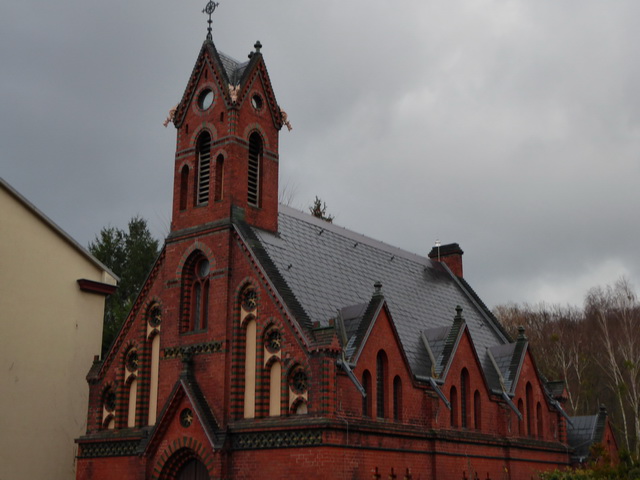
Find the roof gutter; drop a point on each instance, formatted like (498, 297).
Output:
(436, 388)
(345, 366)
(556, 404)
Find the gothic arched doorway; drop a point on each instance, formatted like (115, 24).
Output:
(184, 464)
(194, 469)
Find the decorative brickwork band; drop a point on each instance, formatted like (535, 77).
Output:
(252, 441)
(108, 449)
(197, 349)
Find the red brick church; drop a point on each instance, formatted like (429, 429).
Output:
(267, 343)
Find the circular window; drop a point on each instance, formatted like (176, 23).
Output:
(132, 361)
(256, 101)
(155, 316)
(250, 300)
(273, 340)
(186, 417)
(203, 268)
(299, 382)
(205, 99)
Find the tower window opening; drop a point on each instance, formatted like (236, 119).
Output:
(204, 168)
(253, 178)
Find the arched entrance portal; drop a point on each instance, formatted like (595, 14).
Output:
(194, 469)
(184, 464)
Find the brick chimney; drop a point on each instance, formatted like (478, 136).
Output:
(451, 255)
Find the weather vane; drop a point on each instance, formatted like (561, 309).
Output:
(209, 9)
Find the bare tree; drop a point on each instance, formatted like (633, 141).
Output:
(617, 314)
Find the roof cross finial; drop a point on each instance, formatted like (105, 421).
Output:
(209, 9)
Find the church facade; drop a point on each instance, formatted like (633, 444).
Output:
(267, 343)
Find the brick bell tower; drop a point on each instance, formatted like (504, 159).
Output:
(227, 144)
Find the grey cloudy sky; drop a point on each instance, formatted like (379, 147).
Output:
(510, 127)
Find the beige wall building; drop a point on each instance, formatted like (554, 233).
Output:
(52, 297)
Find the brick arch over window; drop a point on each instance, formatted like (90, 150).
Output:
(179, 453)
(255, 127)
(187, 255)
(194, 296)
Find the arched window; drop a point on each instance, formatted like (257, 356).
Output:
(218, 181)
(153, 380)
(108, 408)
(453, 399)
(529, 407)
(477, 411)
(200, 296)
(366, 400)
(203, 150)
(521, 421)
(397, 399)
(131, 380)
(381, 383)
(298, 390)
(154, 321)
(250, 369)
(275, 389)
(184, 187)
(254, 170)
(465, 397)
(539, 421)
(195, 293)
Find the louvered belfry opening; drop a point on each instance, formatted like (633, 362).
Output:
(253, 178)
(204, 168)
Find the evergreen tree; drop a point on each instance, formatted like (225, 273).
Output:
(319, 210)
(130, 255)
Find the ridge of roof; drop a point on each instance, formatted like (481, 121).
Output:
(350, 234)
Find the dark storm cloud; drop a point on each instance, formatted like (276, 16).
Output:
(510, 127)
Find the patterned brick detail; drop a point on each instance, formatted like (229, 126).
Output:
(196, 349)
(109, 449)
(253, 441)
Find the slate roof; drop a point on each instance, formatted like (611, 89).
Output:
(320, 268)
(233, 68)
(585, 431)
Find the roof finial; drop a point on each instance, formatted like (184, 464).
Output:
(209, 9)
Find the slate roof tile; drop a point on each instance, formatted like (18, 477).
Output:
(324, 268)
